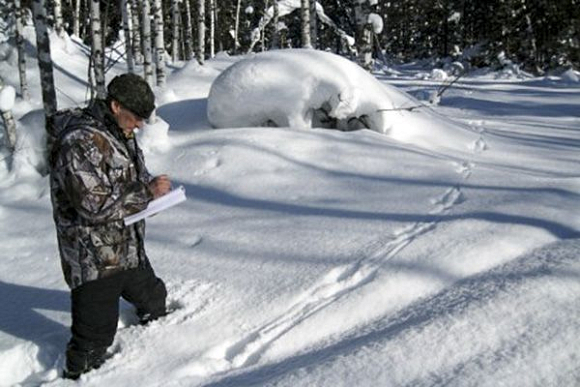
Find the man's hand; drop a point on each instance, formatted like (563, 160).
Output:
(160, 185)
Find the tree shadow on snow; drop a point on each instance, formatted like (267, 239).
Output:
(213, 195)
(550, 261)
(21, 318)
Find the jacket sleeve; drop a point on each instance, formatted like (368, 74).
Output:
(98, 193)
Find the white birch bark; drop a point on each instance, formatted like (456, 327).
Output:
(97, 49)
(275, 34)
(313, 24)
(7, 116)
(136, 32)
(305, 23)
(159, 43)
(58, 22)
(188, 31)
(175, 30)
(125, 12)
(44, 57)
(364, 35)
(146, 42)
(212, 23)
(237, 27)
(20, 48)
(200, 48)
(77, 19)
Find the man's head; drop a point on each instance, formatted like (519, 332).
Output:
(131, 101)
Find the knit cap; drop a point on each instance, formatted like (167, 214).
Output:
(133, 93)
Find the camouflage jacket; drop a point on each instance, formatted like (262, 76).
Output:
(97, 177)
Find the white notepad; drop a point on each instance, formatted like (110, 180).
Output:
(162, 203)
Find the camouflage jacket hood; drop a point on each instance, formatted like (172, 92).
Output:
(97, 177)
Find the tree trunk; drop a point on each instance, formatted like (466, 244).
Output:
(58, 23)
(146, 41)
(175, 30)
(7, 96)
(188, 32)
(77, 19)
(364, 36)
(313, 24)
(21, 54)
(10, 130)
(274, 33)
(305, 23)
(125, 12)
(136, 33)
(97, 49)
(44, 57)
(237, 27)
(159, 43)
(212, 22)
(200, 51)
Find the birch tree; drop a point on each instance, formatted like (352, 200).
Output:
(187, 30)
(58, 22)
(77, 18)
(212, 24)
(159, 43)
(97, 49)
(305, 23)
(20, 48)
(364, 34)
(313, 24)
(274, 32)
(237, 27)
(44, 57)
(136, 32)
(125, 12)
(200, 48)
(146, 42)
(175, 30)
(7, 96)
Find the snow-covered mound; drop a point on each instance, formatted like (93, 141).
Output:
(307, 88)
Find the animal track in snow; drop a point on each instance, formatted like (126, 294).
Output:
(336, 284)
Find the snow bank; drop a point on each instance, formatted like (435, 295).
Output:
(305, 88)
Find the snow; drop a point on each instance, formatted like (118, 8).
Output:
(443, 251)
(376, 21)
(7, 98)
(300, 87)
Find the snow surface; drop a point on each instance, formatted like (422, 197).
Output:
(319, 257)
(7, 98)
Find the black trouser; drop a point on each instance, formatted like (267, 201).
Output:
(95, 312)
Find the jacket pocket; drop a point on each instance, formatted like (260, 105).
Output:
(110, 245)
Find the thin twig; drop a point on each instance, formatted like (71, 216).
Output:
(445, 87)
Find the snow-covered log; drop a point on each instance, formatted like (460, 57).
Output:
(304, 88)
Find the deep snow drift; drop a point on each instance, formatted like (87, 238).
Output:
(321, 257)
(307, 88)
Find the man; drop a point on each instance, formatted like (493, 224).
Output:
(97, 178)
